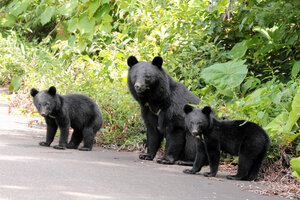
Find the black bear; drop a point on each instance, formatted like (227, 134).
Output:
(64, 111)
(161, 100)
(236, 137)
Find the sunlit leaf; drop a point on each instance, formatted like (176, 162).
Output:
(72, 24)
(15, 83)
(225, 75)
(239, 50)
(20, 7)
(68, 7)
(277, 124)
(295, 164)
(106, 27)
(295, 112)
(9, 20)
(94, 5)
(47, 15)
(103, 10)
(86, 25)
(296, 69)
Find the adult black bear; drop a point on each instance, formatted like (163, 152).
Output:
(161, 100)
(64, 111)
(237, 137)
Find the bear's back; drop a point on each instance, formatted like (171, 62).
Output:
(81, 108)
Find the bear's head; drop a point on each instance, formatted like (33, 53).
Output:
(197, 120)
(45, 101)
(147, 79)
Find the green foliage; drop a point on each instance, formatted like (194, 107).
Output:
(225, 76)
(295, 163)
(239, 50)
(15, 84)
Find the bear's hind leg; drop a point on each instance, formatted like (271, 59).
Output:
(244, 166)
(75, 139)
(175, 143)
(88, 139)
(255, 167)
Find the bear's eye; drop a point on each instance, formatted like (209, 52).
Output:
(39, 105)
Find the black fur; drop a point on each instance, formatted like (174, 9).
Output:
(161, 101)
(236, 137)
(64, 111)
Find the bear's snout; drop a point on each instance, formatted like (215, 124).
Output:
(194, 132)
(139, 88)
(43, 114)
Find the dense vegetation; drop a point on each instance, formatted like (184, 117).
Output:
(241, 57)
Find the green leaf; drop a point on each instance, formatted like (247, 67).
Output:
(72, 24)
(94, 5)
(277, 124)
(9, 20)
(105, 1)
(106, 27)
(295, 112)
(86, 25)
(106, 18)
(225, 76)
(239, 50)
(19, 8)
(15, 83)
(82, 45)
(103, 10)
(67, 8)
(263, 32)
(295, 164)
(298, 147)
(47, 15)
(247, 85)
(296, 69)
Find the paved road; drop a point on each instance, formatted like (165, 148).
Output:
(29, 171)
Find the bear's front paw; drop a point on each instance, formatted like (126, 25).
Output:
(59, 147)
(145, 157)
(84, 149)
(184, 163)
(45, 144)
(233, 177)
(164, 161)
(72, 146)
(189, 171)
(209, 174)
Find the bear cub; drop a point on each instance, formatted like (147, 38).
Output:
(64, 111)
(236, 137)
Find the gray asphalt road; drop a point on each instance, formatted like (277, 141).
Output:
(29, 171)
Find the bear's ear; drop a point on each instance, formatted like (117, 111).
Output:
(33, 92)
(52, 90)
(207, 110)
(132, 61)
(187, 108)
(157, 61)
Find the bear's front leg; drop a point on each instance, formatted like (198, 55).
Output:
(200, 160)
(212, 148)
(154, 139)
(63, 138)
(51, 131)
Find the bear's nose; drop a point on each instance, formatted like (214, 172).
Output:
(194, 132)
(138, 87)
